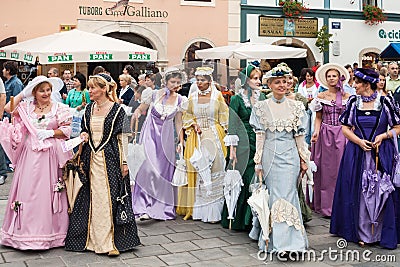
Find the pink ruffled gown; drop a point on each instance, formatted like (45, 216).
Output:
(41, 221)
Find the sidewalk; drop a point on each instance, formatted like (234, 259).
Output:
(193, 243)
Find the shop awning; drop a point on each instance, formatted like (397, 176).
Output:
(391, 52)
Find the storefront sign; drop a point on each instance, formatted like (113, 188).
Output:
(3, 54)
(28, 57)
(59, 58)
(101, 56)
(14, 55)
(336, 25)
(139, 56)
(127, 10)
(282, 27)
(392, 35)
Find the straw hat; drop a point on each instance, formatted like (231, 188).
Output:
(320, 74)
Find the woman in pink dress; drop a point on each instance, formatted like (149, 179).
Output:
(37, 210)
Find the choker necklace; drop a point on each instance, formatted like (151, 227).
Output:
(369, 98)
(278, 101)
(42, 108)
(98, 106)
(205, 92)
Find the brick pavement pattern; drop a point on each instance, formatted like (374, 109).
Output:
(193, 243)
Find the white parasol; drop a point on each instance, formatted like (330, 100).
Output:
(180, 174)
(136, 155)
(201, 161)
(232, 186)
(259, 204)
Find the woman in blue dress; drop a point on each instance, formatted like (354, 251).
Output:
(281, 156)
(364, 123)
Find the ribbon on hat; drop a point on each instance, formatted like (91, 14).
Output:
(365, 77)
(339, 85)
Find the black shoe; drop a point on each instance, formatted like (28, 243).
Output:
(2, 179)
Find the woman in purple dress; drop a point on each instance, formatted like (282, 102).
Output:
(153, 195)
(328, 141)
(355, 213)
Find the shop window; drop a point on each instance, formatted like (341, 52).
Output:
(370, 2)
(198, 2)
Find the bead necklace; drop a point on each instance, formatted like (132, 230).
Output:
(369, 98)
(42, 108)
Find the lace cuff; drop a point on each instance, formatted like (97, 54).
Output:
(284, 211)
(260, 139)
(315, 105)
(231, 140)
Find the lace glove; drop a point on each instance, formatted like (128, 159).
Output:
(304, 153)
(44, 134)
(260, 139)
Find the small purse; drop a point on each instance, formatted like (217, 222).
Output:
(124, 205)
(396, 162)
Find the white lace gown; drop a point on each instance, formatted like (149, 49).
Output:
(282, 123)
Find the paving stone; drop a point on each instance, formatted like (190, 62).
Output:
(55, 252)
(237, 250)
(317, 222)
(178, 237)
(180, 246)
(178, 258)
(157, 231)
(5, 249)
(208, 226)
(14, 264)
(318, 230)
(126, 255)
(20, 255)
(210, 243)
(215, 263)
(154, 240)
(111, 264)
(48, 262)
(211, 233)
(152, 261)
(81, 259)
(179, 228)
(241, 261)
(152, 250)
(209, 254)
(237, 239)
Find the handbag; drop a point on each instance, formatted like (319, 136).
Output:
(124, 205)
(396, 162)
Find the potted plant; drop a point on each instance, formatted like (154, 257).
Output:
(373, 15)
(292, 8)
(323, 41)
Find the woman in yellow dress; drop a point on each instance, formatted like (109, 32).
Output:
(205, 120)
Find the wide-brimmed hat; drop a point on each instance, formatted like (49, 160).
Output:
(281, 70)
(172, 70)
(320, 74)
(56, 84)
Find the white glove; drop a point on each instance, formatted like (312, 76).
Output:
(44, 134)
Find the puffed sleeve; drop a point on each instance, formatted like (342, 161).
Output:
(391, 110)
(232, 139)
(147, 96)
(184, 104)
(254, 119)
(347, 116)
(315, 105)
(64, 118)
(223, 112)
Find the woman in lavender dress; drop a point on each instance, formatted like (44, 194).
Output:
(328, 141)
(365, 122)
(153, 195)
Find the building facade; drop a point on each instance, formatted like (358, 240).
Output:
(175, 28)
(352, 39)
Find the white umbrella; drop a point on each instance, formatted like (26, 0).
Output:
(201, 160)
(180, 174)
(136, 156)
(251, 51)
(259, 204)
(76, 46)
(232, 186)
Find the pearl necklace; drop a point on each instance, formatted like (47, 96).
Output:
(98, 106)
(205, 92)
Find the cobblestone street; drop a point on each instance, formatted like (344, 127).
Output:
(193, 243)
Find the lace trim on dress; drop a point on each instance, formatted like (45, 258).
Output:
(377, 103)
(284, 211)
(316, 103)
(292, 122)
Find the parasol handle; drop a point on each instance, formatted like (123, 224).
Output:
(260, 178)
(136, 129)
(12, 108)
(233, 165)
(79, 153)
(376, 159)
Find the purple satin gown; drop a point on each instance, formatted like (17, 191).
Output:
(153, 193)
